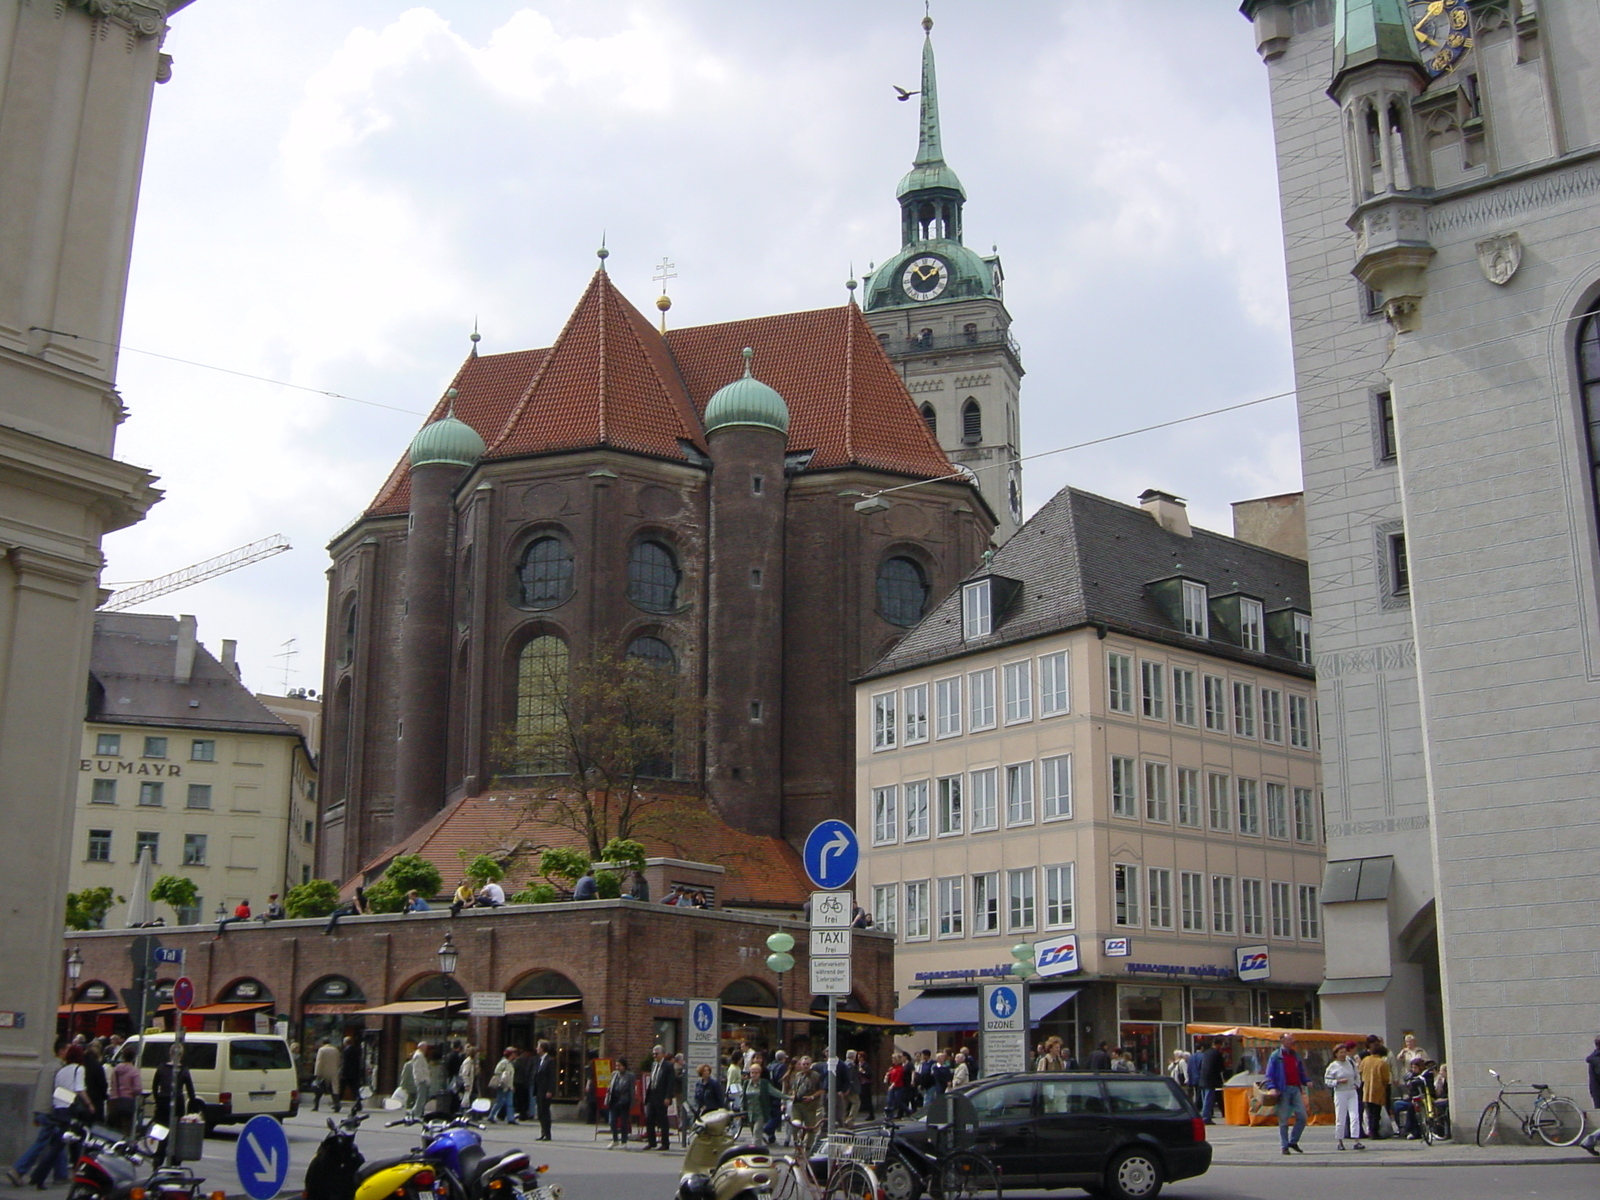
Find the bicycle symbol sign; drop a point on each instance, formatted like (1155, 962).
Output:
(702, 1016)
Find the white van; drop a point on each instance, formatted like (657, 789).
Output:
(236, 1075)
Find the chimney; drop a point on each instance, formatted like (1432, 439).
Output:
(230, 656)
(183, 659)
(1169, 511)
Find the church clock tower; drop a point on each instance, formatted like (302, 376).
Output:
(937, 308)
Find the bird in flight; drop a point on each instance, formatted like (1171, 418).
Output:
(903, 94)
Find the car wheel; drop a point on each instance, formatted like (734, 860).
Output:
(1134, 1175)
(899, 1181)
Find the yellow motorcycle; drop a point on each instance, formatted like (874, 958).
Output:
(718, 1166)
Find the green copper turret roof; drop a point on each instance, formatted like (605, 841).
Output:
(747, 401)
(447, 441)
(928, 169)
(1372, 31)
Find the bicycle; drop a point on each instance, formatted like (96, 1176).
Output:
(1556, 1120)
(848, 1176)
(907, 1170)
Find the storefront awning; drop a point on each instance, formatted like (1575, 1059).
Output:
(762, 1013)
(81, 1010)
(414, 1008)
(1271, 1033)
(517, 1008)
(227, 1010)
(861, 1018)
(958, 1009)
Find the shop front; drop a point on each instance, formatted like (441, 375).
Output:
(547, 1006)
(950, 1016)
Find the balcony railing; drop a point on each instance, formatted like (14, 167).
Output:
(899, 347)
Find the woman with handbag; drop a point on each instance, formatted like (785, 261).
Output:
(1343, 1078)
(122, 1096)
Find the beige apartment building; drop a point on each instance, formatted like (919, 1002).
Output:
(1102, 745)
(178, 755)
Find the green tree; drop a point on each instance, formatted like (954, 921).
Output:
(384, 897)
(563, 867)
(484, 869)
(177, 890)
(87, 909)
(535, 893)
(409, 872)
(624, 852)
(313, 898)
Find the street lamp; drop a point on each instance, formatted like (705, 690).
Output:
(779, 961)
(449, 956)
(1024, 969)
(74, 970)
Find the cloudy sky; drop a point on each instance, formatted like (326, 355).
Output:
(332, 197)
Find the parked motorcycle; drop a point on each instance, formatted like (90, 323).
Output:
(453, 1148)
(718, 1166)
(107, 1166)
(337, 1162)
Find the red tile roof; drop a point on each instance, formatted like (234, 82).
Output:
(612, 380)
(760, 871)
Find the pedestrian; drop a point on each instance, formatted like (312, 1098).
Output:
(619, 1101)
(1343, 1079)
(122, 1098)
(1122, 1061)
(897, 1079)
(174, 1095)
(94, 1079)
(961, 1074)
(1178, 1067)
(709, 1092)
(1100, 1058)
(733, 1083)
(1408, 1052)
(69, 1098)
(763, 1102)
(466, 1082)
(325, 1075)
(1050, 1056)
(1375, 1081)
(1591, 1142)
(543, 1083)
(1213, 1074)
(660, 1088)
(1286, 1074)
(805, 1096)
(350, 1072)
(522, 1077)
(503, 1084)
(421, 1092)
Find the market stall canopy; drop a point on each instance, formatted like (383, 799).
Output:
(1271, 1033)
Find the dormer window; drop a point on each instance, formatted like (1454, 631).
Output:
(1251, 620)
(1302, 638)
(977, 610)
(1195, 613)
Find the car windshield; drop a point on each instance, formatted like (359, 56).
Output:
(258, 1054)
(1144, 1096)
(1005, 1101)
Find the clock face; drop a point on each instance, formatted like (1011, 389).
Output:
(1444, 33)
(925, 277)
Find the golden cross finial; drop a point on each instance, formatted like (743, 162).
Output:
(664, 272)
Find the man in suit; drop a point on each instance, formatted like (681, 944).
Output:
(522, 1085)
(544, 1088)
(660, 1088)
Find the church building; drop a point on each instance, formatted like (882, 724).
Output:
(689, 497)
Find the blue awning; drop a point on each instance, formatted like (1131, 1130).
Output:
(957, 1008)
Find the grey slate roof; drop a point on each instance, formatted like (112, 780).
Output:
(1086, 560)
(131, 668)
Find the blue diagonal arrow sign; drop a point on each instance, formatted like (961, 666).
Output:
(262, 1158)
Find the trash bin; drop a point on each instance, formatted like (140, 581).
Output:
(187, 1141)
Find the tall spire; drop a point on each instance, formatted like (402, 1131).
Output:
(929, 150)
(930, 194)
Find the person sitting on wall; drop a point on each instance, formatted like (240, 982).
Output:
(274, 909)
(490, 895)
(465, 897)
(415, 903)
(588, 887)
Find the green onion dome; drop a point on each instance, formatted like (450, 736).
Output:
(448, 441)
(747, 401)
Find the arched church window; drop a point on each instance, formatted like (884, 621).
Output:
(545, 573)
(1589, 377)
(542, 672)
(1014, 492)
(656, 747)
(931, 417)
(970, 330)
(653, 651)
(347, 635)
(902, 591)
(653, 576)
(971, 421)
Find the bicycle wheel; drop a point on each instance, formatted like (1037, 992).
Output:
(1489, 1123)
(965, 1175)
(1424, 1119)
(851, 1181)
(1558, 1121)
(785, 1181)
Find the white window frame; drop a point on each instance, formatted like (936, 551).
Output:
(1022, 901)
(1252, 909)
(1157, 792)
(1125, 895)
(952, 907)
(1275, 800)
(1244, 709)
(1017, 684)
(919, 925)
(1186, 794)
(1184, 711)
(195, 848)
(914, 712)
(1215, 690)
(1124, 787)
(950, 816)
(1219, 802)
(1222, 919)
(1305, 815)
(886, 907)
(1119, 682)
(1196, 609)
(947, 707)
(1153, 689)
(1280, 901)
(986, 904)
(1192, 901)
(977, 613)
(1272, 716)
(1252, 624)
(103, 791)
(1310, 914)
(983, 799)
(1019, 794)
(1055, 787)
(1055, 684)
(886, 815)
(981, 712)
(1299, 721)
(915, 808)
(885, 721)
(196, 792)
(1302, 638)
(1249, 793)
(1158, 897)
(1060, 896)
(152, 794)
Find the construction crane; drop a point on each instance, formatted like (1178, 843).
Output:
(198, 573)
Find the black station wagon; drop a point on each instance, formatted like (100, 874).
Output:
(1113, 1134)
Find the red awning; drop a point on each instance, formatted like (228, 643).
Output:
(226, 1010)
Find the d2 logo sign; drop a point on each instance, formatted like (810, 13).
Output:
(1253, 963)
(1057, 955)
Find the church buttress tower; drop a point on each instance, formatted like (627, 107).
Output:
(937, 308)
